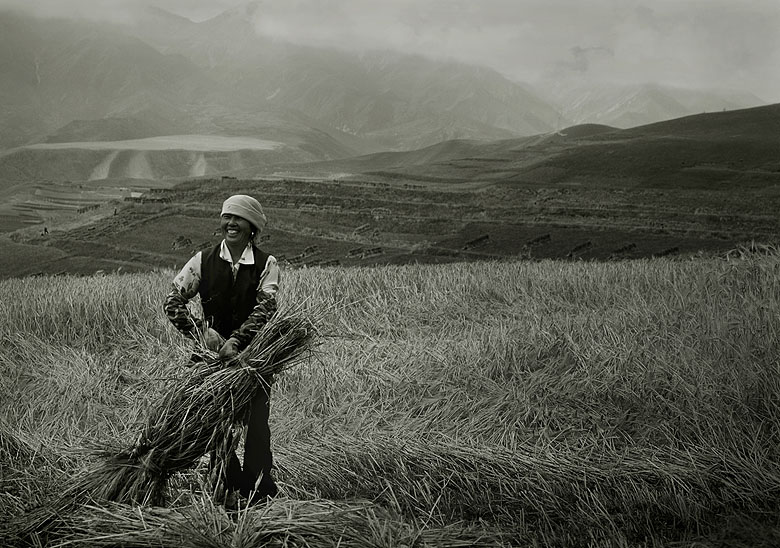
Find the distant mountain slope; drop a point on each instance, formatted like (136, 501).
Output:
(65, 79)
(585, 130)
(401, 101)
(711, 150)
(724, 148)
(112, 129)
(53, 72)
(629, 106)
(759, 124)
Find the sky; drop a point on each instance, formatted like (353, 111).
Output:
(697, 44)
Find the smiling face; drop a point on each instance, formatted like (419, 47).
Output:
(237, 231)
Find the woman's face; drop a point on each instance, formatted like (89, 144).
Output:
(236, 230)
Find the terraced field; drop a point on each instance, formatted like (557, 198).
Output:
(352, 223)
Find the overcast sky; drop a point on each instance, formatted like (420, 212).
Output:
(726, 44)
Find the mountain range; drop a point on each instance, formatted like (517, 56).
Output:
(78, 81)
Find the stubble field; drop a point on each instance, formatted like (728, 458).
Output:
(630, 403)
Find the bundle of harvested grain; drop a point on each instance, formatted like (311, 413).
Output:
(196, 416)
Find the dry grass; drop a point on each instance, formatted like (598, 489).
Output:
(285, 522)
(572, 404)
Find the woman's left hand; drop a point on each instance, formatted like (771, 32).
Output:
(229, 349)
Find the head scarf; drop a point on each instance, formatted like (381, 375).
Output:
(247, 208)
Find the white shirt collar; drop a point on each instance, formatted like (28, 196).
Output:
(247, 257)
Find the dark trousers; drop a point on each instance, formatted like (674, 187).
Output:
(258, 459)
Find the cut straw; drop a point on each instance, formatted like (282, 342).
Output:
(195, 417)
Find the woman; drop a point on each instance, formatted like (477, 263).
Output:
(237, 283)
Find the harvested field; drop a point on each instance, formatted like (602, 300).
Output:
(628, 403)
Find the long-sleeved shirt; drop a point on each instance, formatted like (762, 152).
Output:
(187, 282)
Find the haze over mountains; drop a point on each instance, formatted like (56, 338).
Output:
(62, 79)
(629, 106)
(69, 81)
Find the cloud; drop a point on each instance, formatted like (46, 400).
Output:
(693, 43)
(581, 57)
(117, 10)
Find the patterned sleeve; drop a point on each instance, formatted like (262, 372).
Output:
(265, 307)
(185, 286)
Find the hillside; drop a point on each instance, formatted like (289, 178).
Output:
(733, 146)
(396, 100)
(167, 75)
(53, 72)
(627, 106)
(705, 183)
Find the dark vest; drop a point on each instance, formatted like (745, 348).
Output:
(227, 304)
